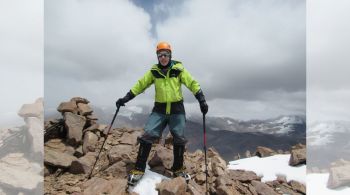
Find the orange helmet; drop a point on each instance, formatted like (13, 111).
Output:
(163, 45)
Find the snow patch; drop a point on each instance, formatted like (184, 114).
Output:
(270, 167)
(317, 184)
(147, 185)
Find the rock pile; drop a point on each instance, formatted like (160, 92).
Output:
(69, 159)
(21, 153)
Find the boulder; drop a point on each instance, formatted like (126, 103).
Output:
(36, 130)
(172, 187)
(264, 151)
(58, 159)
(56, 145)
(297, 156)
(17, 172)
(298, 187)
(242, 175)
(67, 107)
(218, 165)
(339, 176)
(83, 164)
(77, 100)
(263, 189)
(32, 110)
(91, 117)
(194, 189)
(84, 109)
(75, 125)
(117, 170)
(129, 138)
(162, 157)
(89, 143)
(119, 152)
(101, 186)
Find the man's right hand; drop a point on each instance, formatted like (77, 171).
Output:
(120, 102)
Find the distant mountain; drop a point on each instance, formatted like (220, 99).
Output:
(228, 136)
(278, 126)
(327, 142)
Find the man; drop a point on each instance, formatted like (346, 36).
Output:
(167, 76)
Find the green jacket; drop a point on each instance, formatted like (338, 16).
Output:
(168, 96)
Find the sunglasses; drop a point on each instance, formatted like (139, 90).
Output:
(163, 54)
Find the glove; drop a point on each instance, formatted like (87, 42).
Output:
(204, 107)
(121, 101)
(202, 103)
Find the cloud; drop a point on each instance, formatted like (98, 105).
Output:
(239, 49)
(328, 70)
(21, 57)
(94, 40)
(242, 52)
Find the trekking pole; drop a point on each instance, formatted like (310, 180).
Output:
(205, 154)
(98, 156)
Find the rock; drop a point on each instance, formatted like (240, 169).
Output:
(298, 146)
(89, 143)
(162, 157)
(58, 159)
(172, 187)
(194, 189)
(75, 125)
(102, 127)
(32, 110)
(298, 187)
(92, 128)
(200, 178)
(83, 164)
(226, 190)
(242, 176)
(91, 117)
(84, 109)
(77, 100)
(79, 152)
(67, 107)
(264, 151)
(339, 176)
(17, 172)
(119, 152)
(263, 189)
(56, 145)
(117, 170)
(130, 138)
(218, 165)
(101, 186)
(281, 178)
(247, 154)
(298, 156)
(36, 130)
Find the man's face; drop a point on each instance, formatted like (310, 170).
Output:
(163, 57)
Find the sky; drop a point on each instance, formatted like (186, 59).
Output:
(328, 81)
(21, 57)
(248, 56)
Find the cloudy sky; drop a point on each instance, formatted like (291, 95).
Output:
(328, 80)
(21, 57)
(249, 56)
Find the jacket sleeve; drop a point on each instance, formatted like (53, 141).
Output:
(143, 83)
(187, 79)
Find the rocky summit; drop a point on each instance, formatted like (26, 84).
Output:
(72, 144)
